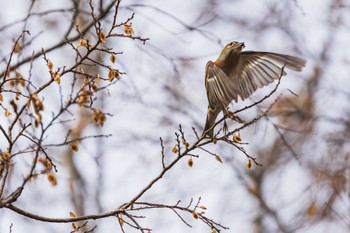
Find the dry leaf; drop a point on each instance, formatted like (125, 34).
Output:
(103, 37)
(57, 78)
(5, 155)
(112, 57)
(17, 48)
(83, 43)
(52, 179)
(190, 162)
(72, 214)
(312, 210)
(128, 30)
(74, 147)
(174, 150)
(120, 220)
(218, 158)
(7, 113)
(249, 164)
(50, 65)
(237, 138)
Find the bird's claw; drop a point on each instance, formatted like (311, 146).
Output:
(237, 119)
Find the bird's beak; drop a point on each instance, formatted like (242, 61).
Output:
(241, 45)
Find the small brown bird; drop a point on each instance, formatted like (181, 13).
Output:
(238, 74)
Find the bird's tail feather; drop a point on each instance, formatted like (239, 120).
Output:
(210, 122)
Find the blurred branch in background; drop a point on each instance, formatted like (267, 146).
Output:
(87, 88)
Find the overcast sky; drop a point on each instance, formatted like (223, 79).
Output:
(164, 87)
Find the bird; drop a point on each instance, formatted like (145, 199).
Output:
(237, 74)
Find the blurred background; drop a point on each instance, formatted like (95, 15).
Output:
(303, 143)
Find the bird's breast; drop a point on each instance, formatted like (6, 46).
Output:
(228, 63)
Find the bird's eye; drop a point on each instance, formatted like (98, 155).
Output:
(232, 44)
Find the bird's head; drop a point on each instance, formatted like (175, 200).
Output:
(234, 46)
(230, 54)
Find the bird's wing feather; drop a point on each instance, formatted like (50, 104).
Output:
(220, 89)
(258, 69)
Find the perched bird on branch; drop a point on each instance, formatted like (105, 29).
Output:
(238, 74)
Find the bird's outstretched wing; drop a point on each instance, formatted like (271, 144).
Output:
(254, 70)
(220, 89)
(257, 69)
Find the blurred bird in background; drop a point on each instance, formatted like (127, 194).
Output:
(238, 74)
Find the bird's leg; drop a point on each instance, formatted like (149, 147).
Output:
(225, 127)
(237, 119)
(226, 115)
(229, 114)
(234, 117)
(226, 112)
